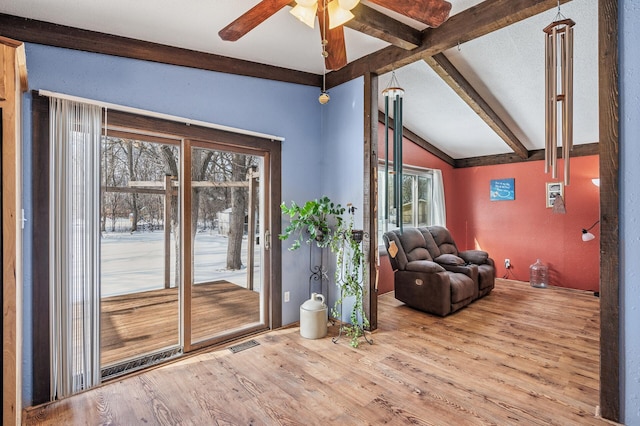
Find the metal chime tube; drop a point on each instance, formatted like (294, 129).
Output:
(554, 104)
(547, 106)
(393, 93)
(386, 162)
(397, 131)
(397, 161)
(559, 88)
(567, 143)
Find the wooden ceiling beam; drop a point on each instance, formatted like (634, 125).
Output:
(430, 12)
(581, 150)
(375, 24)
(40, 32)
(479, 20)
(450, 74)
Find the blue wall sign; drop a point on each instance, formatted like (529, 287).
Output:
(503, 189)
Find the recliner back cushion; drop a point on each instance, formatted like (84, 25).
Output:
(434, 251)
(443, 240)
(414, 245)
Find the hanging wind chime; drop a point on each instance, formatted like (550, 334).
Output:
(324, 96)
(393, 94)
(558, 94)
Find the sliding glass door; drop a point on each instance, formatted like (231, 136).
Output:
(172, 222)
(151, 306)
(140, 247)
(226, 285)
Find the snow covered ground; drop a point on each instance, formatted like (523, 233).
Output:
(135, 262)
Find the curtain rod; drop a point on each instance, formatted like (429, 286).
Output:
(160, 115)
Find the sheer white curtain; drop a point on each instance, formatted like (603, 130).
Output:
(75, 134)
(439, 208)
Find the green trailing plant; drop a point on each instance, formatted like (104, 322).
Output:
(350, 275)
(316, 221)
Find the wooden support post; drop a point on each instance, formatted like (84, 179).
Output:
(13, 75)
(370, 208)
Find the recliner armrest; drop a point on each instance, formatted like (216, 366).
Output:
(477, 257)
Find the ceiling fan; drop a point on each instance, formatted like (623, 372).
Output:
(430, 12)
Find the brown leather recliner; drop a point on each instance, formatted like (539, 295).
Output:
(431, 275)
(419, 281)
(448, 251)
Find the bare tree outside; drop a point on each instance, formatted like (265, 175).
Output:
(239, 169)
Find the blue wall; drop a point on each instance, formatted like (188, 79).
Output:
(629, 38)
(343, 138)
(281, 109)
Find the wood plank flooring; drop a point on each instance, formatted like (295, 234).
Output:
(140, 323)
(521, 356)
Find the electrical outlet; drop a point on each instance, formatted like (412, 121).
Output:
(507, 263)
(286, 296)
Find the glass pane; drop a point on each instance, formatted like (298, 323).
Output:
(382, 220)
(408, 182)
(140, 238)
(392, 207)
(226, 292)
(425, 189)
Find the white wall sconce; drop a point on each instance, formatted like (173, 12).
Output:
(588, 236)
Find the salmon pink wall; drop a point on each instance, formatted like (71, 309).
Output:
(524, 229)
(521, 230)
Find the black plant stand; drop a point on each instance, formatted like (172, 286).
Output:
(342, 327)
(318, 273)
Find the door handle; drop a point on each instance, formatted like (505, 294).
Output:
(267, 239)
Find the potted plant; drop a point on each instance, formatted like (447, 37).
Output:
(320, 222)
(316, 221)
(350, 274)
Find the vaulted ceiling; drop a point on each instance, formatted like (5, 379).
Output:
(474, 86)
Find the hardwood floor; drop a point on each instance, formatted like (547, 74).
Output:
(519, 356)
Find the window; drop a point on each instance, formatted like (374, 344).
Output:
(417, 199)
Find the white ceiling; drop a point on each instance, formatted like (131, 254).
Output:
(505, 67)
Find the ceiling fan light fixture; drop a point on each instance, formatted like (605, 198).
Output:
(323, 98)
(306, 14)
(337, 15)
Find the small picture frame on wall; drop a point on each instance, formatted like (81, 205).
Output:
(503, 189)
(554, 189)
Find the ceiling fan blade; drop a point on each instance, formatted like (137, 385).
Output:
(251, 19)
(430, 12)
(336, 47)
